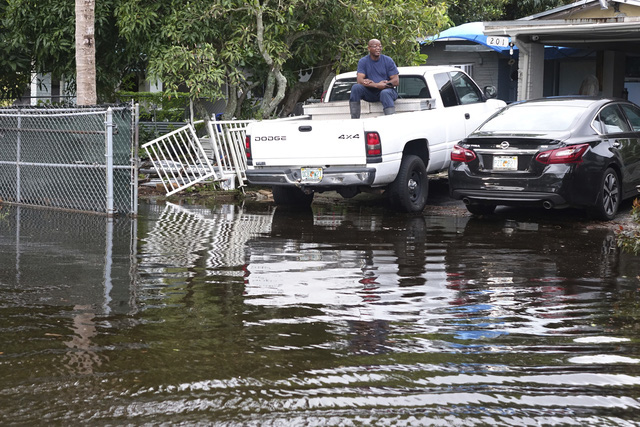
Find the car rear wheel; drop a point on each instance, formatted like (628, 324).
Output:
(408, 193)
(609, 197)
(291, 196)
(481, 208)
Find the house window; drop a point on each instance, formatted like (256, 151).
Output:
(467, 68)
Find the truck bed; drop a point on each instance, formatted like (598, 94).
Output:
(340, 109)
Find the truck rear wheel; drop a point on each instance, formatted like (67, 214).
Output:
(408, 193)
(291, 196)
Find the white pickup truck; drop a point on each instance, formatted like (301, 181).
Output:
(326, 150)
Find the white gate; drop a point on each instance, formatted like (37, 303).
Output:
(181, 159)
(227, 139)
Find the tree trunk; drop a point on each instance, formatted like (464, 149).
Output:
(232, 103)
(86, 93)
(276, 81)
(302, 90)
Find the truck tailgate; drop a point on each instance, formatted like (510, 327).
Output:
(307, 142)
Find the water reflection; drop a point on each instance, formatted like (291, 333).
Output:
(256, 315)
(363, 270)
(62, 275)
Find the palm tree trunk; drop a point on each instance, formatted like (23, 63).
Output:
(85, 52)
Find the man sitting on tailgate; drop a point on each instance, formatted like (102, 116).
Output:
(377, 81)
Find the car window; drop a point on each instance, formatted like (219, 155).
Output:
(408, 87)
(611, 120)
(342, 89)
(633, 114)
(413, 87)
(533, 118)
(447, 92)
(468, 92)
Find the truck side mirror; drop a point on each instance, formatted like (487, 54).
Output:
(490, 92)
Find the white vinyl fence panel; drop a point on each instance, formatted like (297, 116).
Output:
(181, 159)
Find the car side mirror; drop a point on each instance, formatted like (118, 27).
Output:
(490, 92)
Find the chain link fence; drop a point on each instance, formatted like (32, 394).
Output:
(81, 159)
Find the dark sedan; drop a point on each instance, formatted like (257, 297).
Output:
(551, 152)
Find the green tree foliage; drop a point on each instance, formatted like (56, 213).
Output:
(264, 45)
(230, 48)
(629, 237)
(214, 48)
(516, 9)
(463, 11)
(13, 62)
(39, 37)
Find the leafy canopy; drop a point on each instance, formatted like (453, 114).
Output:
(228, 49)
(209, 47)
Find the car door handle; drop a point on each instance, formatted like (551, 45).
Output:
(467, 116)
(616, 144)
(304, 128)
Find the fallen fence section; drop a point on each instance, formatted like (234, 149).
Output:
(81, 159)
(227, 140)
(182, 159)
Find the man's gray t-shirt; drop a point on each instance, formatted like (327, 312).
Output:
(379, 70)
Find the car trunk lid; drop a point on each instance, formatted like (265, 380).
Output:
(510, 154)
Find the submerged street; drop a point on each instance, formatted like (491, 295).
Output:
(345, 314)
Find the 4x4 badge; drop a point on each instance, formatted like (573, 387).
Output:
(504, 145)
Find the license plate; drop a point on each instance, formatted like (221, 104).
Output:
(505, 163)
(311, 174)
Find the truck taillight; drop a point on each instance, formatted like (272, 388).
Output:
(247, 149)
(374, 147)
(461, 154)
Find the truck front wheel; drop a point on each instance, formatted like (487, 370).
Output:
(408, 193)
(291, 196)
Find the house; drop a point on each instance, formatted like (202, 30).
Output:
(466, 47)
(551, 53)
(45, 89)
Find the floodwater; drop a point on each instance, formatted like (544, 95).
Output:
(341, 315)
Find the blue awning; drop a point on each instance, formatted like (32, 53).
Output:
(474, 32)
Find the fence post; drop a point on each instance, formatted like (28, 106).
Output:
(18, 141)
(109, 161)
(135, 163)
(108, 266)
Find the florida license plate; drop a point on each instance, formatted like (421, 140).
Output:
(311, 174)
(505, 163)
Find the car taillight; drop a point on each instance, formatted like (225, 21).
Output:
(247, 149)
(374, 146)
(461, 154)
(570, 154)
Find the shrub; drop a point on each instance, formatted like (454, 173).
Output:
(629, 238)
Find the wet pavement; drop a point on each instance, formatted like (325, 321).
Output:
(343, 314)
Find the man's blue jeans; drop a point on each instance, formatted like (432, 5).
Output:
(386, 96)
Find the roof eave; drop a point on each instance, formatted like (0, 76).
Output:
(556, 10)
(512, 28)
(575, 5)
